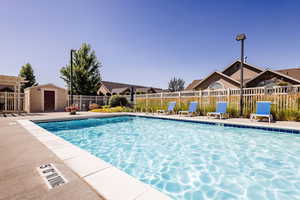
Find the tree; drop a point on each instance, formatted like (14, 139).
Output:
(27, 73)
(86, 71)
(176, 84)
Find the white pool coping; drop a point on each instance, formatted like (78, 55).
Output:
(110, 182)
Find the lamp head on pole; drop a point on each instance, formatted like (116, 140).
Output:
(240, 37)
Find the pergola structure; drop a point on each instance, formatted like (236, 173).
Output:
(10, 93)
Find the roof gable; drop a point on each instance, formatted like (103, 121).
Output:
(192, 85)
(235, 66)
(48, 85)
(220, 74)
(261, 75)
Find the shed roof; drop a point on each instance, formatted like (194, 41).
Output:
(48, 85)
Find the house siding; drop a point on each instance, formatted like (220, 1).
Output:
(248, 74)
(216, 77)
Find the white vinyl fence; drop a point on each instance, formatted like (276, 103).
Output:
(12, 102)
(83, 101)
(283, 97)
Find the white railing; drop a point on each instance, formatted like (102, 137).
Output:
(224, 92)
(11, 102)
(83, 101)
(284, 96)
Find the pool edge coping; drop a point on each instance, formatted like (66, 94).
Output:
(103, 169)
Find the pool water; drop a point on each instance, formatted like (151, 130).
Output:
(192, 161)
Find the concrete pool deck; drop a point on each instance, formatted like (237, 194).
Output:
(20, 155)
(22, 152)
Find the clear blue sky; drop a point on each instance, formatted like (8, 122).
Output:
(147, 42)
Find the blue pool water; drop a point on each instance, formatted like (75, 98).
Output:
(191, 161)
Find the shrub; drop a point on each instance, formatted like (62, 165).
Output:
(233, 112)
(118, 101)
(110, 110)
(93, 106)
(71, 108)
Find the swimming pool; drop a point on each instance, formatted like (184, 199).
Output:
(187, 160)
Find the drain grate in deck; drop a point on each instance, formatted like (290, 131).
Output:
(52, 177)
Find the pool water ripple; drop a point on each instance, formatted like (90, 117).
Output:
(191, 160)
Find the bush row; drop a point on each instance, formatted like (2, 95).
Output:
(279, 115)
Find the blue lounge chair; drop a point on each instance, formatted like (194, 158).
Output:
(171, 107)
(220, 111)
(192, 108)
(263, 109)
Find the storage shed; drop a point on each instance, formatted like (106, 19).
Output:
(45, 98)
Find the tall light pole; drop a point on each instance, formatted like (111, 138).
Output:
(71, 75)
(241, 37)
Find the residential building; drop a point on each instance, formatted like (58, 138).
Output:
(108, 88)
(254, 76)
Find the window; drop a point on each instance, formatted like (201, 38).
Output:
(216, 85)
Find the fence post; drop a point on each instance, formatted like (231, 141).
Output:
(5, 101)
(179, 95)
(80, 102)
(209, 96)
(147, 102)
(15, 101)
(18, 99)
(228, 95)
(200, 100)
(161, 100)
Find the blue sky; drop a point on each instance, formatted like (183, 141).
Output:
(148, 42)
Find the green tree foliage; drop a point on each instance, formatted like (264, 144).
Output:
(176, 84)
(86, 71)
(27, 73)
